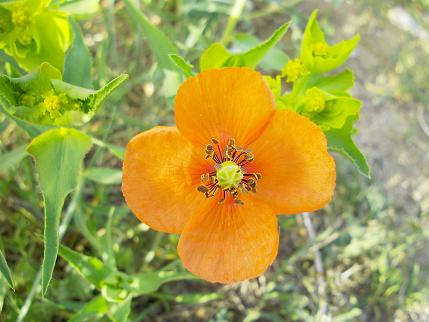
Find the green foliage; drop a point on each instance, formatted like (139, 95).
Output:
(339, 140)
(186, 67)
(217, 55)
(117, 288)
(317, 55)
(5, 271)
(59, 154)
(34, 33)
(12, 158)
(323, 98)
(160, 45)
(104, 175)
(78, 60)
(41, 98)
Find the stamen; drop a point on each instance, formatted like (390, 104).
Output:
(230, 175)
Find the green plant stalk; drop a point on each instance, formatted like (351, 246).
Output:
(234, 16)
(62, 230)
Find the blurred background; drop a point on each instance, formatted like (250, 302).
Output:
(365, 257)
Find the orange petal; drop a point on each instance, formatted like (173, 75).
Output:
(298, 174)
(222, 104)
(230, 243)
(161, 172)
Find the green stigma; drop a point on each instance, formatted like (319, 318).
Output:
(229, 175)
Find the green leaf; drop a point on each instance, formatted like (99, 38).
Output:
(93, 98)
(5, 271)
(335, 116)
(78, 60)
(59, 154)
(11, 158)
(145, 283)
(338, 84)
(117, 151)
(340, 141)
(158, 42)
(217, 55)
(104, 175)
(119, 312)
(275, 59)
(98, 306)
(39, 80)
(91, 268)
(331, 57)
(81, 8)
(186, 67)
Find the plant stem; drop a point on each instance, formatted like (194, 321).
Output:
(318, 264)
(234, 16)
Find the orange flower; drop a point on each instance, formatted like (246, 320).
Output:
(220, 177)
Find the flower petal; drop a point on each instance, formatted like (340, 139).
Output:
(223, 103)
(298, 174)
(230, 243)
(161, 172)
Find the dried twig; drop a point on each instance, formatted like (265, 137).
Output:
(320, 272)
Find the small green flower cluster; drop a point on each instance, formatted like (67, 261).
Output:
(324, 99)
(32, 33)
(51, 104)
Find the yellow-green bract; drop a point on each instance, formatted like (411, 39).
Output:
(32, 33)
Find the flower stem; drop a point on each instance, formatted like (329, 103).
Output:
(234, 16)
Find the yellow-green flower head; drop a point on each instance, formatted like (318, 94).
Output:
(21, 17)
(294, 69)
(52, 105)
(22, 22)
(315, 100)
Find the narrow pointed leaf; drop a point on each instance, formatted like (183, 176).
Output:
(5, 271)
(158, 42)
(78, 60)
(91, 268)
(186, 67)
(217, 55)
(59, 154)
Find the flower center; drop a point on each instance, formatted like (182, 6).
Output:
(21, 18)
(294, 69)
(315, 100)
(51, 105)
(229, 175)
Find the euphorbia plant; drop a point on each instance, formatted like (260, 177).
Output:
(33, 32)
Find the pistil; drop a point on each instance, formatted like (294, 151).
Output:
(229, 175)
